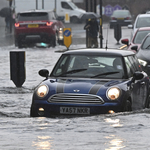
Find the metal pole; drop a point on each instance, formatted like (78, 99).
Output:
(36, 4)
(55, 7)
(42, 4)
(91, 4)
(101, 23)
(95, 6)
(87, 6)
(10, 17)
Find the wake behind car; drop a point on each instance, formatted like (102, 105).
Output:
(38, 26)
(91, 81)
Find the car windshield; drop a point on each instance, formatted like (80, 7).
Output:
(146, 43)
(140, 36)
(35, 16)
(143, 22)
(118, 14)
(89, 67)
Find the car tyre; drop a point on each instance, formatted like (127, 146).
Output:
(127, 106)
(111, 26)
(53, 41)
(147, 105)
(32, 113)
(20, 45)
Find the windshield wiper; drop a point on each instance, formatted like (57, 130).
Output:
(72, 71)
(106, 73)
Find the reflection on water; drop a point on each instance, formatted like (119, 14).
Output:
(43, 142)
(114, 122)
(115, 143)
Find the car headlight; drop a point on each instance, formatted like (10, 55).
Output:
(142, 62)
(42, 91)
(60, 37)
(113, 93)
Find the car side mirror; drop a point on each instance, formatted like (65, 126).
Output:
(137, 76)
(44, 73)
(125, 41)
(135, 47)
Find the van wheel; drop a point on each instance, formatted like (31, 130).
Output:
(74, 19)
(127, 106)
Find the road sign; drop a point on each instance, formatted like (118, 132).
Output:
(125, 7)
(108, 10)
(117, 7)
(67, 37)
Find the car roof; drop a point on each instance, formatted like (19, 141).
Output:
(108, 52)
(35, 10)
(121, 10)
(144, 15)
(143, 28)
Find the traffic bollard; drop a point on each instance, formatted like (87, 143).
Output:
(17, 67)
(117, 32)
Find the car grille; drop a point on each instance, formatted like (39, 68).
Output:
(76, 98)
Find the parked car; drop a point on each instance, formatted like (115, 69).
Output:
(142, 20)
(91, 81)
(137, 38)
(143, 54)
(121, 17)
(38, 26)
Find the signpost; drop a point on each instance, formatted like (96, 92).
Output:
(117, 7)
(108, 10)
(67, 37)
(101, 25)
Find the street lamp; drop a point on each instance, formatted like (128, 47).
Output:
(101, 21)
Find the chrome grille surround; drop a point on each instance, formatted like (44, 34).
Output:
(75, 98)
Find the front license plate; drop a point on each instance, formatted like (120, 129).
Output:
(33, 25)
(74, 110)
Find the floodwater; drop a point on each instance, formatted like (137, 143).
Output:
(18, 131)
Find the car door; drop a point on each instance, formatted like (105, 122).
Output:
(139, 89)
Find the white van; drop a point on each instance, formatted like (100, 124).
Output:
(62, 7)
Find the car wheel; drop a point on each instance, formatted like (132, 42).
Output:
(53, 41)
(32, 113)
(147, 105)
(111, 26)
(16, 43)
(20, 45)
(127, 106)
(74, 19)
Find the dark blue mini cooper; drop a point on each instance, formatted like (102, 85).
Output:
(92, 81)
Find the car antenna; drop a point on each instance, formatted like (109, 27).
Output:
(107, 38)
